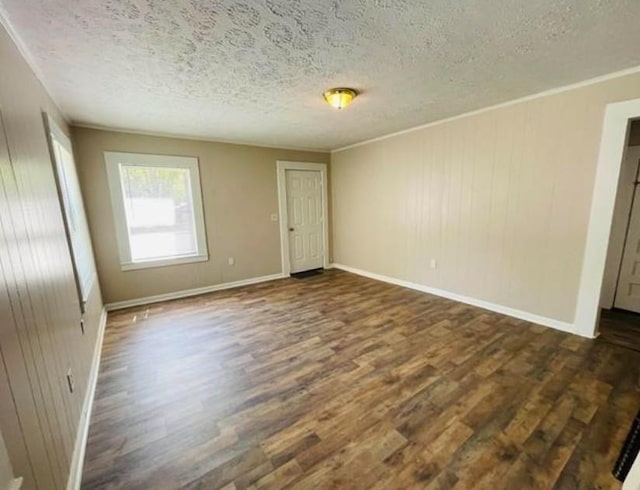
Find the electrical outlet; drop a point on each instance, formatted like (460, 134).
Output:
(433, 264)
(231, 261)
(70, 381)
(274, 217)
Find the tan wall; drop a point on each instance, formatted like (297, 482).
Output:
(40, 336)
(239, 191)
(501, 199)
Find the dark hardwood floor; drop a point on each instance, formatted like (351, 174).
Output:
(337, 381)
(620, 327)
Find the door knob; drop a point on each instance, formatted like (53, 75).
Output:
(291, 229)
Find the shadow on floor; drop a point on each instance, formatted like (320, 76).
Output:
(621, 328)
(306, 274)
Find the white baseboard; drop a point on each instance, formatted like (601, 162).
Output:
(75, 474)
(191, 292)
(505, 310)
(632, 482)
(15, 484)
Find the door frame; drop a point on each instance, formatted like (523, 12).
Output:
(613, 143)
(616, 248)
(283, 166)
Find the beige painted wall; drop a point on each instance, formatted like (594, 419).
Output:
(239, 191)
(40, 335)
(500, 199)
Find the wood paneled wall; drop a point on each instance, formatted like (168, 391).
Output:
(40, 334)
(499, 199)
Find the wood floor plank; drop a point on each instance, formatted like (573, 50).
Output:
(337, 381)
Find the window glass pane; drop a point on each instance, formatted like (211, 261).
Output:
(159, 211)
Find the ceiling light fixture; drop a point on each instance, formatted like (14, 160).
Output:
(339, 98)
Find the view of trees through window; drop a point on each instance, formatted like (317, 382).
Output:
(159, 211)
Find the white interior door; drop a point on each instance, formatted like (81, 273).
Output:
(305, 211)
(628, 290)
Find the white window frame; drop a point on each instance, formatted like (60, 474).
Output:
(70, 195)
(113, 161)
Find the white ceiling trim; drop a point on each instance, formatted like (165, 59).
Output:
(24, 51)
(209, 75)
(545, 93)
(194, 138)
(28, 58)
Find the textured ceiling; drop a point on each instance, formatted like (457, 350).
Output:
(253, 71)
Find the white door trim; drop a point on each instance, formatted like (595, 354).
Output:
(612, 146)
(632, 482)
(284, 217)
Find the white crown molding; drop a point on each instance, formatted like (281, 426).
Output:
(4, 20)
(26, 55)
(545, 93)
(119, 305)
(157, 134)
(504, 310)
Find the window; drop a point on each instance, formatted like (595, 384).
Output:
(75, 221)
(157, 208)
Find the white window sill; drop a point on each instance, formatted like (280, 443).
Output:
(150, 264)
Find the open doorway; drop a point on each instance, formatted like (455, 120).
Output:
(618, 119)
(620, 297)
